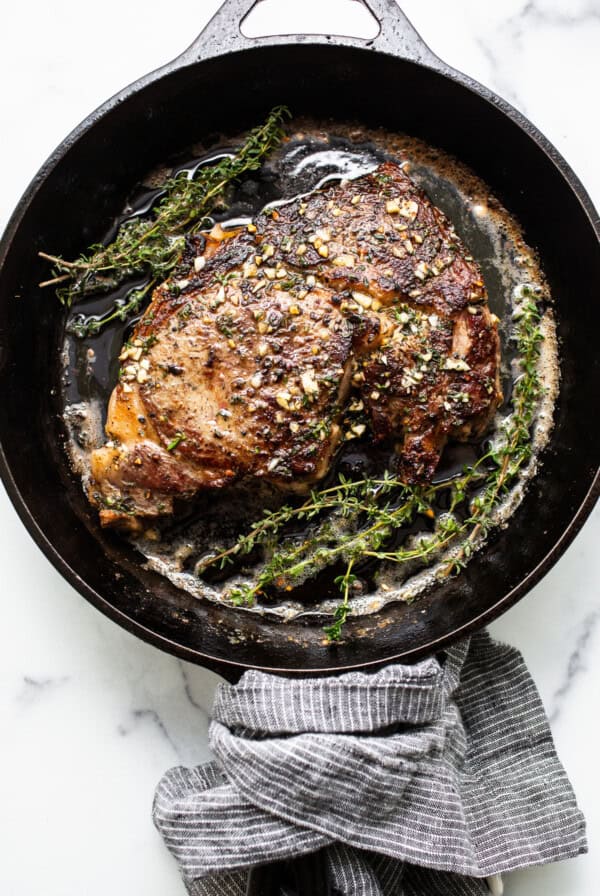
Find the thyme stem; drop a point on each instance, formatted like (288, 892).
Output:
(345, 582)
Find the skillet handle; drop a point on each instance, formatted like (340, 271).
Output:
(396, 35)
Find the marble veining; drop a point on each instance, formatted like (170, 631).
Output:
(557, 14)
(190, 681)
(91, 717)
(140, 716)
(577, 665)
(35, 689)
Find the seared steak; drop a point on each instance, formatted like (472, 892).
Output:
(243, 364)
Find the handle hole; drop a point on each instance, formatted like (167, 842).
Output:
(350, 18)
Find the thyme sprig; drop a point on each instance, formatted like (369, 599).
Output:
(347, 495)
(344, 583)
(83, 326)
(373, 509)
(153, 246)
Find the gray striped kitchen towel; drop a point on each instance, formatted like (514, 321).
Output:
(418, 779)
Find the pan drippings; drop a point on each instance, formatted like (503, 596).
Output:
(313, 157)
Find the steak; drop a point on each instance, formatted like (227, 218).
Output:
(244, 365)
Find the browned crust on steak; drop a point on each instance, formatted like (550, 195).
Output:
(243, 364)
(432, 378)
(398, 245)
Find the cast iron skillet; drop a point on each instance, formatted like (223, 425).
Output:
(225, 83)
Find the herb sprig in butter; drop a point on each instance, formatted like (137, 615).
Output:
(153, 246)
(375, 508)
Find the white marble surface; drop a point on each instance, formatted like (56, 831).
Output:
(91, 717)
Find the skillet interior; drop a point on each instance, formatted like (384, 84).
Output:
(84, 190)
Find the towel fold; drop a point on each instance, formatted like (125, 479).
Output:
(416, 779)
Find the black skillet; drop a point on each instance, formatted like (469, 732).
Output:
(225, 83)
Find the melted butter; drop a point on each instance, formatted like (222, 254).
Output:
(310, 160)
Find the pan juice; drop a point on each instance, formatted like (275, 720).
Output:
(315, 155)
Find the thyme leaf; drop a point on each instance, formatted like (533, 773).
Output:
(179, 437)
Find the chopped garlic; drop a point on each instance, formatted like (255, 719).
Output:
(456, 364)
(344, 261)
(409, 209)
(363, 300)
(309, 383)
(283, 400)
